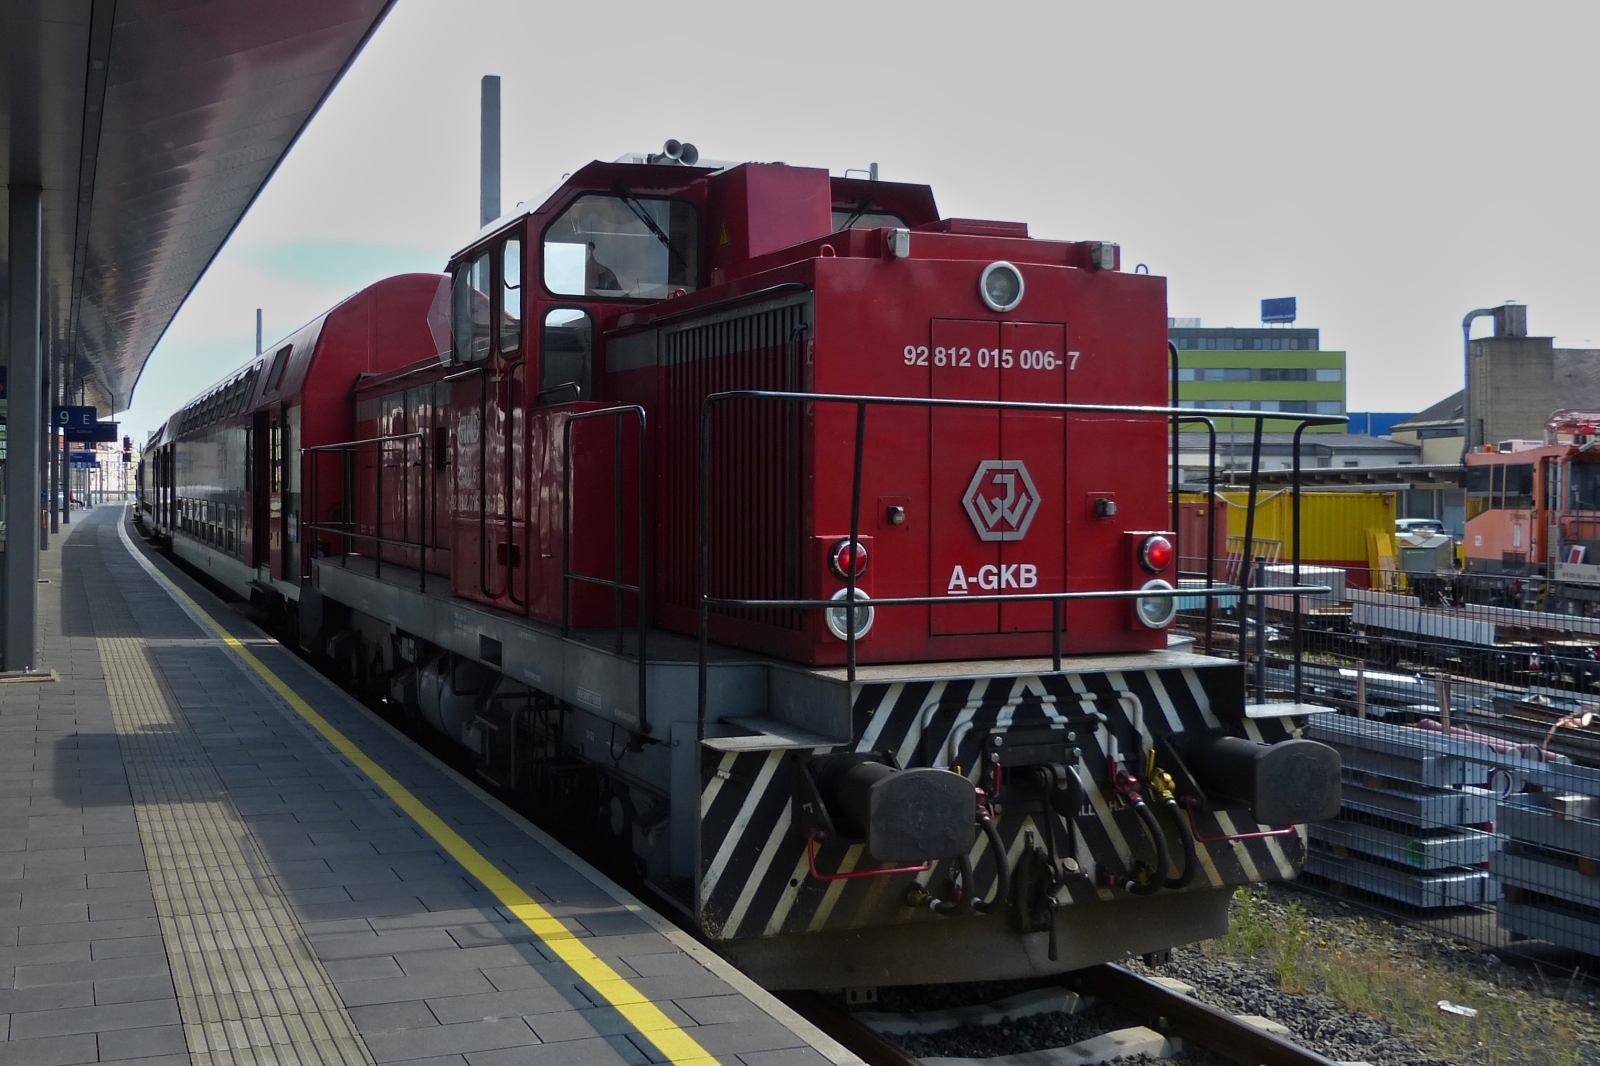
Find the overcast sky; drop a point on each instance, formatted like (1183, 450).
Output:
(1392, 165)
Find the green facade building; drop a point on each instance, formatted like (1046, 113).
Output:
(1257, 369)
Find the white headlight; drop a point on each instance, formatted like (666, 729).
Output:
(835, 616)
(1157, 612)
(1000, 285)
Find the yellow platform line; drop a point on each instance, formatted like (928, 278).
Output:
(677, 1045)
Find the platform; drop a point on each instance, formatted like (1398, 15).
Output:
(210, 854)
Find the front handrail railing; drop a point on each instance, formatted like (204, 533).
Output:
(347, 529)
(618, 587)
(850, 604)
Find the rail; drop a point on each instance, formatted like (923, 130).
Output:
(1163, 1009)
(347, 529)
(850, 604)
(618, 587)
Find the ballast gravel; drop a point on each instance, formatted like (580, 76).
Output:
(1314, 1019)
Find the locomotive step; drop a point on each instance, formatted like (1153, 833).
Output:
(219, 854)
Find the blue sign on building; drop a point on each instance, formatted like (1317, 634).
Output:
(1280, 309)
(83, 459)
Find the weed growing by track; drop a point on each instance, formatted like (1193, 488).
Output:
(1397, 976)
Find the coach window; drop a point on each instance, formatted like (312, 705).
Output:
(275, 458)
(280, 362)
(511, 295)
(469, 310)
(566, 356)
(623, 247)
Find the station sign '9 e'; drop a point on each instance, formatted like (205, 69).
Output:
(82, 425)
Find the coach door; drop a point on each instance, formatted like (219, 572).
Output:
(276, 447)
(256, 462)
(997, 478)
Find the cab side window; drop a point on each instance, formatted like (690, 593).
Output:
(469, 310)
(566, 356)
(511, 295)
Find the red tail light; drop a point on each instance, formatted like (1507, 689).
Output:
(847, 556)
(1156, 553)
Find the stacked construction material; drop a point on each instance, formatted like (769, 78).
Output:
(1549, 863)
(1417, 818)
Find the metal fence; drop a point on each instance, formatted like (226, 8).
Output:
(1468, 719)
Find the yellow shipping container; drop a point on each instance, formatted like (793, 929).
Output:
(1333, 525)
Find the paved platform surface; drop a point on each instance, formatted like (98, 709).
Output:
(209, 854)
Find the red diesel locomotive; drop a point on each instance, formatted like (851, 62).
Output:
(811, 543)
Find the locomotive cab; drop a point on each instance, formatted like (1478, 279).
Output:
(657, 287)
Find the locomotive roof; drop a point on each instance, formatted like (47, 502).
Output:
(674, 179)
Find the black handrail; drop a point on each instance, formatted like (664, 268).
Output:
(1211, 512)
(1247, 558)
(346, 529)
(618, 587)
(850, 604)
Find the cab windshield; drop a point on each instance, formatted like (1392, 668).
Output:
(623, 247)
(1585, 481)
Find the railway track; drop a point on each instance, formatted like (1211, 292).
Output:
(1165, 1022)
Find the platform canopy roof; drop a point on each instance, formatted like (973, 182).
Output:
(150, 126)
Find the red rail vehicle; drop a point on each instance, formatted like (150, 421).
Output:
(811, 542)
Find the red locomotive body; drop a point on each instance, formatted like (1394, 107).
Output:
(673, 402)
(954, 502)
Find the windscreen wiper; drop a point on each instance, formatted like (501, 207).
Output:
(866, 205)
(644, 216)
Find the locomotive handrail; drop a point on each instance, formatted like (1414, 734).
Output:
(367, 440)
(850, 603)
(616, 584)
(347, 528)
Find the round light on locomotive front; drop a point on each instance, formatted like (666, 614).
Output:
(1157, 612)
(843, 555)
(1000, 285)
(1155, 554)
(860, 616)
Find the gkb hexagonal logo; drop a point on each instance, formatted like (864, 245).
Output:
(1001, 500)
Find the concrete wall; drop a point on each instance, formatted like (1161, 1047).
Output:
(1513, 388)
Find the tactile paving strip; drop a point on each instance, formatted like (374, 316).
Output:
(251, 992)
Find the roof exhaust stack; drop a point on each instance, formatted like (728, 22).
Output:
(489, 151)
(1511, 320)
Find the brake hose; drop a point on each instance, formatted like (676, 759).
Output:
(1152, 829)
(1190, 861)
(963, 901)
(1002, 869)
